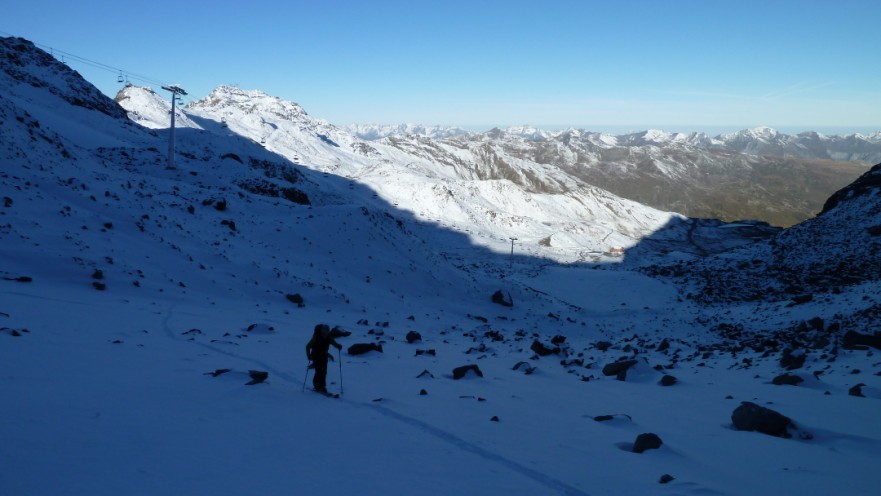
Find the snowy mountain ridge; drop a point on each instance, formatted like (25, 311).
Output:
(754, 141)
(551, 212)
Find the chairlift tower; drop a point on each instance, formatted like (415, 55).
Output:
(175, 91)
(511, 260)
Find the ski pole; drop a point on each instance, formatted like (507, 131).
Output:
(306, 376)
(341, 373)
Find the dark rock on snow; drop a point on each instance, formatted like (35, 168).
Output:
(413, 336)
(793, 359)
(606, 418)
(460, 372)
(857, 390)
(362, 348)
(665, 345)
(646, 441)
(296, 299)
(499, 298)
(751, 417)
(668, 380)
(853, 340)
(541, 349)
(338, 332)
(619, 368)
(527, 369)
(787, 380)
(257, 376)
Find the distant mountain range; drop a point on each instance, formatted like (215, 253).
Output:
(752, 174)
(754, 141)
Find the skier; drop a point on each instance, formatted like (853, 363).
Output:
(316, 351)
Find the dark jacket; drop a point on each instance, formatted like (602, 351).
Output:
(322, 340)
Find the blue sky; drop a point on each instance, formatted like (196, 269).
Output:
(604, 65)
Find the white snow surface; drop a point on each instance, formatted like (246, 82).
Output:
(109, 392)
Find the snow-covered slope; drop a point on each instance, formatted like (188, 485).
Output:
(136, 300)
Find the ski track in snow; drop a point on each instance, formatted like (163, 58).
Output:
(443, 435)
(268, 368)
(464, 445)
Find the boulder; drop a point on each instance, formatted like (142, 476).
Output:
(499, 298)
(668, 380)
(619, 368)
(665, 345)
(646, 441)
(853, 340)
(257, 376)
(460, 372)
(296, 299)
(362, 348)
(751, 417)
(413, 336)
(541, 349)
(606, 418)
(787, 380)
(857, 391)
(339, 332)
(527, 369)
(793, 359)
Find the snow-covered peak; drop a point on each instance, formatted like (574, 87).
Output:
(150, 109)
(652, 137)
(763, 133)
(373, 131)
(873, 137)
(528, 132)
(231, 98)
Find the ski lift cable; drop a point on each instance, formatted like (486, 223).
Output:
(95, 64)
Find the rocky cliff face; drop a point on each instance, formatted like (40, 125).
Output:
(24, 64)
